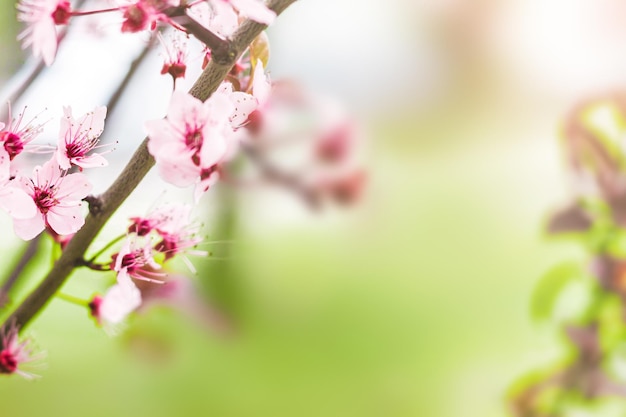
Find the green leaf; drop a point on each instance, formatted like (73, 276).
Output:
(605, 120)
(612, 329)
(550, 286)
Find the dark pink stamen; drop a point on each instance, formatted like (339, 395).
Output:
(13, 144)
(8, 362)
(62, 14)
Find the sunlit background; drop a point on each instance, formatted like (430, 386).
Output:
(415, 301)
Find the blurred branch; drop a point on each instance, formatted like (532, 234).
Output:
(29, 252)
(287, 180)
(31, 72)
(132, 70)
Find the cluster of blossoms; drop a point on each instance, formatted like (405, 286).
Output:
(43, 16)
(50, 198)
(149, 243)
(248, 118)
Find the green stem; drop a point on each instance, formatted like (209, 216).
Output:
(92, 260)
(72, 299)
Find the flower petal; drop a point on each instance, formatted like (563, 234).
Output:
(29, 228)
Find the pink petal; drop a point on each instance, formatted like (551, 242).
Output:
(261, 86)
(44, 41)
(219, 108)
(244, 105)
(62, 159)
(180, 173)
(204, 185)
(213, 148)
(29, 228)
(160, 131)
(93, 122)
(49, 173)
(65, 126)
(65, 220)
(92, 161)
(165, 143)
(120, 300)
(255, 10)
(5, 164)
(184, 109)
(17, 203)
(73, 187)
(224, 20)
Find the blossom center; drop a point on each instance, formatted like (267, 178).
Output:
(194, 140)
(13, 144)
(136, 18)
(79, 149)
(44, 199)
(168, 246)
(94, 306)
(8, 362)
(141, 227)
(175, 69)
(62, 13)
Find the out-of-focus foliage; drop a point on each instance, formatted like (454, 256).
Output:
(595, 327)
(11, 53)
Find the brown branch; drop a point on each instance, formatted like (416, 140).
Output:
(133, 173)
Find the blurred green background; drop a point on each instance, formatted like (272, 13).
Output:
(413, 303)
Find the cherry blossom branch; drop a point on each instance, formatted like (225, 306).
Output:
(103, 207)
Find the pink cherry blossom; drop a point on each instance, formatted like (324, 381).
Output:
(166, 219)
(249, 108)
(194, 138)
(58, 200)
(79, 137)
(336, 144)
(178, 232)
(144, 14)
(119, 301)
(175, 56)
(40, 17)
(15, 138)
(137, 261)
(172, 223)
(14, 354)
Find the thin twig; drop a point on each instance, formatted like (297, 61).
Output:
(29, 252)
